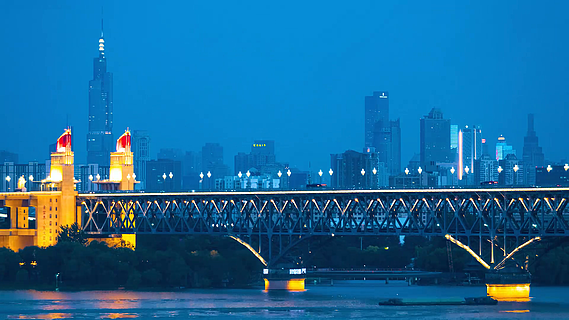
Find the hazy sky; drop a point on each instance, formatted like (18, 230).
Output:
(297, 72)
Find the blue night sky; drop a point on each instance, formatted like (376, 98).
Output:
(296, 72)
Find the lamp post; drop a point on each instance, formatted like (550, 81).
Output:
(8, 182)
(320, 174)
(500, 169)
(420, 170)
(248, 174)
(280, 174)
(31, 178)
(406, 171)
(452, 175)
(209, 180)
(566, 167)
(549, 168)
(288, 173)
(516, 168)
(331, 172)
(201, 179)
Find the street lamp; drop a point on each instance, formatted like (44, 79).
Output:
(516, 168)
(320, 174)
(406, 171)
(549, 168)
(239, 174)
(331, 172)
(363, 172)
(8, 182)
(452, 171)
(171, 175)
(374, 170)
(500, 169)
(566, 167)
(201, 175)
(248, 174)
(164, 176)
(98, 176)
(208, 174)
(420, 170)
(279, 174)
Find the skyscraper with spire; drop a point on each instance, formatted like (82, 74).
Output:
(533, 155)
(100, 140)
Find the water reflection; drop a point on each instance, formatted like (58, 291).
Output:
(41, 316)
(118, 315)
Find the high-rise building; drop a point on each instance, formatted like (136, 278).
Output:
(242, 162)
(191, 168)
(100, 141)
(453, 136)
(382, 134)
(511, 172)
(376, 116)
(262, 153)
(434, 138)
(212, 161)
(394, 163)
(532, 155)
(503, 149)
(469, 149)
(141, 155)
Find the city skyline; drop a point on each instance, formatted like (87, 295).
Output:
(329, 124)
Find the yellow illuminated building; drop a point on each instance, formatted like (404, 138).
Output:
(56, 206)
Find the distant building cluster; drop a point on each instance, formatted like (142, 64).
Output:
(449, 155)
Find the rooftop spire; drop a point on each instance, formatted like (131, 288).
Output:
(101, 40)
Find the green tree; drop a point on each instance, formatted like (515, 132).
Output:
(71, 234)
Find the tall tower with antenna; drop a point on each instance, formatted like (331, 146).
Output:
(100, 139)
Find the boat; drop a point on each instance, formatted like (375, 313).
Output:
(438, 302)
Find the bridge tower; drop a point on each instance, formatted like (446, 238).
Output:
(62, 178)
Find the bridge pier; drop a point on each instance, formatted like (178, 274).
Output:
(292, 280)
(509, 292)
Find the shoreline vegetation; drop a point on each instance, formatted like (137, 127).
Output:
(162, 262)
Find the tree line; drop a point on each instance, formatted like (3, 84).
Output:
(161, 261)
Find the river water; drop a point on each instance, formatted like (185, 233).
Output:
(349, 299)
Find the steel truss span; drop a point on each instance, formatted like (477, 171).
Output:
(521, 212)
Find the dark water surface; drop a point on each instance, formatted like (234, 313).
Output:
(351, 299)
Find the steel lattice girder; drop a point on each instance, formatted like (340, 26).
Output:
(462, 212)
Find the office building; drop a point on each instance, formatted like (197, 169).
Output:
(163, 175)
(6, 156)
(100, 141)
(353, 169)
(212, 162)
(510, 172)
(141, 155)
(382, 134)
(532, 154)
(503, 149)
(434, 138)
(469, 149)
(376, 116)
(552, 176)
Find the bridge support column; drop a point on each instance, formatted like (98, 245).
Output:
(508, 292)
(291, 285)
